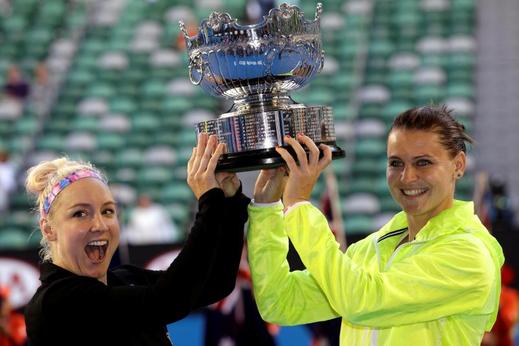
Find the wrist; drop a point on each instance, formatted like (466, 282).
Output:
(287, 210)
(289, 202)
(266, 197)
(259, 200)
(234, 191)
(256, 203)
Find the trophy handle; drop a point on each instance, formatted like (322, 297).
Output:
(198, 65)
(182, 26)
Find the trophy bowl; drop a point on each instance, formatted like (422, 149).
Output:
(257, 66)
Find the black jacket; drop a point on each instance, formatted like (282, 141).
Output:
(136, 304)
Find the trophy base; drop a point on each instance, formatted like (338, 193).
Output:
(263, 159)
(251, 135)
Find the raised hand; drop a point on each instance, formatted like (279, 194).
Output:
(302, 177)
(200, 167)
(270, 185)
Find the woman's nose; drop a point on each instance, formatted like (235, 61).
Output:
(98, 223)
(408, 175)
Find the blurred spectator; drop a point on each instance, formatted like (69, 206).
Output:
(235, 320)
(7, 179)
(5, 7)
(501, 212)
(12, 323)
(493, 203)
(507, 317)
(40, 88)
(325, 333)
(150, 223)
(15, 91)
(41, 75)
(16, 87)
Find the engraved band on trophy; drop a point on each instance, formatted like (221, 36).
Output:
(257, 66)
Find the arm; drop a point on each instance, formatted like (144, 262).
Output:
(222, 278)
(452, 277)
(282, 297)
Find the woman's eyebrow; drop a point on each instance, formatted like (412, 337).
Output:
(79, 205)
(85, 205)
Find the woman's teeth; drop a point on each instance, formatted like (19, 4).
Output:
(98, 242)
(413, 192)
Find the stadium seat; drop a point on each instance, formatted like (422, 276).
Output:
(13, 239)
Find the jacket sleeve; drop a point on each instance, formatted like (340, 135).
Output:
(283, 297)
(222, 277)
(451, 277)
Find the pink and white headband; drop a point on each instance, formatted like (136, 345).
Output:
(63, 183)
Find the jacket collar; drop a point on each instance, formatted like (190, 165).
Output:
(448, 221)
(49, 272)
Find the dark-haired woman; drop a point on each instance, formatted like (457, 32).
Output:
(430, 276)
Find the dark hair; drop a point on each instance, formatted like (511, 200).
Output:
(439, 120)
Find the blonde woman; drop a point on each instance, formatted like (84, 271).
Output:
(82, 302)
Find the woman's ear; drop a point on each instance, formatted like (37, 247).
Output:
(46, 230)
(460, 162)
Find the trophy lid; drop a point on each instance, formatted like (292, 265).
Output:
(285, 20)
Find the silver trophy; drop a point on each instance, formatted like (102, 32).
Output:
(257, 66)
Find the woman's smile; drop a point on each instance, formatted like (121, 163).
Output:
(414, 192)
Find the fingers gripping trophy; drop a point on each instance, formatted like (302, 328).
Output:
(257, 66)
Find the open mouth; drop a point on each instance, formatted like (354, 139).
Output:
(413, 192)
(96, 250)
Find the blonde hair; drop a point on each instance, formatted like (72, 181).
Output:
(40, 180)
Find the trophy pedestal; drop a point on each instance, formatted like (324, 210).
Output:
(251, 135)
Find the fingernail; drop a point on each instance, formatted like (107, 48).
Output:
(288, 136)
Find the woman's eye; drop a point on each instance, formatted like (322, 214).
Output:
(109, 211)
(79, 213)
(395, 163)
(423, 163)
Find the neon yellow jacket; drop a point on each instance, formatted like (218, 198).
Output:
(440, 289)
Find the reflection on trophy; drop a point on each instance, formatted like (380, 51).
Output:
(257, 66)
